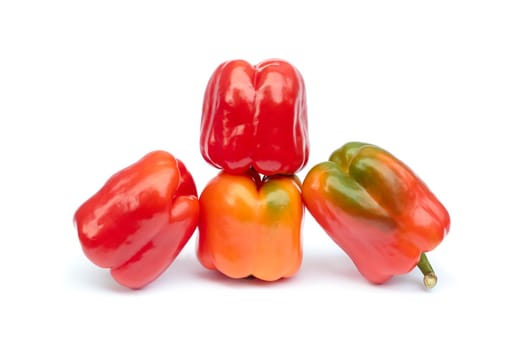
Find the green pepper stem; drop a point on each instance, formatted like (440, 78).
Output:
(429, 276)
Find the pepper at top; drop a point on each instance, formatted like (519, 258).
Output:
(255, 117)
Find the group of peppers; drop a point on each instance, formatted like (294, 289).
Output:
(249, 217)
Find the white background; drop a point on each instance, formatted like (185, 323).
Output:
(87, 88)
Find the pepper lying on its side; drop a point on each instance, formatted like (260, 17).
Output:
(139, 221)
(377, 210)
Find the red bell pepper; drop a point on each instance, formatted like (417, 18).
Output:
(377, 210)
(139, 221)
(255, 116)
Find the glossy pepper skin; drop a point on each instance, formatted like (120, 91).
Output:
(251, 227)
(377, 210)
(140, 219)
(255, 116)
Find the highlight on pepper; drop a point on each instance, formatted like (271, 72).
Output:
(140, 219)
(377, 211)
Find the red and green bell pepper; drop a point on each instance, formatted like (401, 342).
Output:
(377, 210)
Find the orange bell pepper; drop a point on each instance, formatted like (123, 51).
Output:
(251, 226)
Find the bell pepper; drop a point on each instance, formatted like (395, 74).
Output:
(377, 210)
(140, 219)
(251, 226)
(255, 116)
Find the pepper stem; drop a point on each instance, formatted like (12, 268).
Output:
(430, 278)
